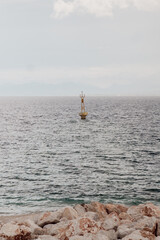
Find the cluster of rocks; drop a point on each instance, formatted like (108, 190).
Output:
(94, 221)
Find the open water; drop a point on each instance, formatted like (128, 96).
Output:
(49, 157)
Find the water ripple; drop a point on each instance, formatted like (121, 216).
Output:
(50, 158)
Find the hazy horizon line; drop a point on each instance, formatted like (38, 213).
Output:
(87, 95)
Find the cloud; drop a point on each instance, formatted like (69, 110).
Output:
(146, 5)
(99, 8)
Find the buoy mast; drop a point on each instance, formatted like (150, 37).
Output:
(83, 113)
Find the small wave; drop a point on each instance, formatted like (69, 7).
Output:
(152, 190)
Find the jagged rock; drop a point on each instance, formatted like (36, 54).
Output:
(125, 216)
(76, 238)
(100, 236)
(111, 222)
(115, 208)
(86, 225)
(139, 235)
(93, 221)
(32, 216)
(89, 208)
(92, 215)
(137, 212)
(128, 223)
(96, 207)
(15, 231)
(69, 213)
(100, 209)
(147, 224)
(48, 218)
(46, 237)
(80, 210)
(148, 235)
(111, 234)
(85, 237)
(81, 226)
(111, 208)
(151, 210)
(55, 229)
(35, 229)
(124, 230)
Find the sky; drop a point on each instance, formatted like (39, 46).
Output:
(61, 47)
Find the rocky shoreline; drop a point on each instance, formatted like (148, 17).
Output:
(94, 221)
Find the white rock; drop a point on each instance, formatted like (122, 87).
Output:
(48, 218)
(9, 229)
(80, 210)
(35, 229)
(86, 237)
(135, 212)
(148, 209)
(111, 222)
(111, 234)
(46, 237)
(92, 215)
(69, 213)
(117, 208)
(100, 236)
(124, 230)
(125, 217)
(55, 229)
(147, 223)
(139, 235)
(100, 209)
(80, 227)
(15, 231)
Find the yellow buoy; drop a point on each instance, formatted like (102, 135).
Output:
(83, 113)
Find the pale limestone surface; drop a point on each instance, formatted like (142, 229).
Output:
(94, 221)
(46, 237)
(48, 218)
(16, 231)
(80, 210)
(140, 235)
(34, 228)
(55, 229)
(124, 230)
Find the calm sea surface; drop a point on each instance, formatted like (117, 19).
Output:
(49, 157)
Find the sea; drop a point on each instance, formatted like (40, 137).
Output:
(50, 158)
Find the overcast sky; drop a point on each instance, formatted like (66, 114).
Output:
(60, 47)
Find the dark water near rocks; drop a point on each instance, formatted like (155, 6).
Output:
(50, 158)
